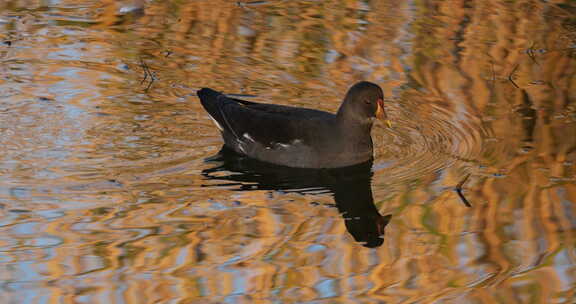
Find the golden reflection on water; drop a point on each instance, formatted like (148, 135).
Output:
(103, 196)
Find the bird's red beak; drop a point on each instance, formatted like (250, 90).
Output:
(381, 113)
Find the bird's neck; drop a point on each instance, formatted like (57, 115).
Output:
(356, 134)
(353, 122)
(355, 129)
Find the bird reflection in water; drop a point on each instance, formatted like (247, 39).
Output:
(350, 186)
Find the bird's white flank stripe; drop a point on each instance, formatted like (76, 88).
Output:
(248, 137)
(216, 123)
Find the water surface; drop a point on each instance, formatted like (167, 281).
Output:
(112, 190)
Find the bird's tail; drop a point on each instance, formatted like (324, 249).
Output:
(209, 100)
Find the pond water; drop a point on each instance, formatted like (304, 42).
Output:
(112, 188)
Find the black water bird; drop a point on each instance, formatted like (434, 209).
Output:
(299, 137)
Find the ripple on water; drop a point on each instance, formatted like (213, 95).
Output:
(101, 188)
(427, 136)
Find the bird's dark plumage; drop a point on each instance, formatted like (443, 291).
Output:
(299, 137)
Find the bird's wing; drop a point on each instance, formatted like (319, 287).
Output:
(263, 123)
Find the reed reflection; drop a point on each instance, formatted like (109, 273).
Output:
(350, 186)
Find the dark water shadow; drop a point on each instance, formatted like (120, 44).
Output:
(350, 187)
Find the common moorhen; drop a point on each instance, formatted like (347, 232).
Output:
(299, 137)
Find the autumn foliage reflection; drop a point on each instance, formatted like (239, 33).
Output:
(102, 195)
